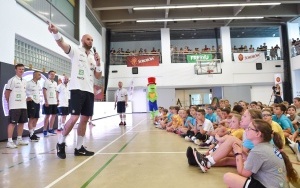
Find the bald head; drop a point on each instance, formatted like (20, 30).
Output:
(65, 79)
(87, 41)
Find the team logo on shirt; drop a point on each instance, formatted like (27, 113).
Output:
(81, 72)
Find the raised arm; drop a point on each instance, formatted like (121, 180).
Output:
(58, 38)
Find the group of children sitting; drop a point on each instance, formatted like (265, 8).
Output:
(208, 127)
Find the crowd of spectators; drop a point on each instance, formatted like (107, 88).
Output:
(134, 52)
(228, 133)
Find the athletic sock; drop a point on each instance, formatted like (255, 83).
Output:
(211, 159)
(79, 141)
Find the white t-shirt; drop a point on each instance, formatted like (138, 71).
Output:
(50, 86)
(17, 97)
(120, 94)
(83, 66)
(63, 95)
(33, 91)
(207, 125)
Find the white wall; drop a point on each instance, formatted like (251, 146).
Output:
(16, 19)
(262, 93)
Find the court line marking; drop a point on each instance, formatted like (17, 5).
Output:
(134, 153)
(89, 158)
(106, 164)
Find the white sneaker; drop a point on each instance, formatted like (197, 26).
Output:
(11, 145)
(193, 138)
(187, 138)
(197, 142)
(21, 142)
(296, 149)
(293, 146)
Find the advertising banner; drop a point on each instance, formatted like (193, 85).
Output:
(142, 61)
(196, 57)
(256, 57)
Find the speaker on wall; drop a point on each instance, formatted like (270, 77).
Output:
(258, 66)
(135, 70)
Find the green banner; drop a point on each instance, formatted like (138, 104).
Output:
(194, 58)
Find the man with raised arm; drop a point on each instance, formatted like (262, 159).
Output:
(85, 65)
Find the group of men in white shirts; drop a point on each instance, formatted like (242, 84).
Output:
(23, 98)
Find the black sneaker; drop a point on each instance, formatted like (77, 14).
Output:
(124, 123)
(201, 160)
(83, 152)
(204, 145)
(190, 156)
(37, 136)
(34, 138)
(61, 153)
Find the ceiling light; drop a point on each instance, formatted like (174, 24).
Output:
(205, 6)
(200, 19)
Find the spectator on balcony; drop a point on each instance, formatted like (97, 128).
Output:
(234, 49)
(213, 49)
(127, 51)
(158, 50)
(245, 48)
(276, 51)
(196, 51)
(293, 41)
(251, 49)
(265, 48)
(205, 49)
(145, 51)
(141, 50)
(272, 53)
(220, 48)
(153, 50)
(241, 48)
(112, 51)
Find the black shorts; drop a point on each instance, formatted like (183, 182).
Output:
(33, 109)
(18, 116)
(51, 109)
(81, 103)
(121, 107)
(253, 183)
(63, 111)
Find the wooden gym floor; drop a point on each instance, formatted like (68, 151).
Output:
(138, 155)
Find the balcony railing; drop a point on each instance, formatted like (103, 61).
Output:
(121, 58)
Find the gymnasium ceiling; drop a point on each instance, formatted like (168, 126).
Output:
(119, 16)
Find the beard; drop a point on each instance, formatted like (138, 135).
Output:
(87, 47)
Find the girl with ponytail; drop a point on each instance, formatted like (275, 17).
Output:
(266, 165)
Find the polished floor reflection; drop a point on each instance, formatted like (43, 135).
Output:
(138, 155)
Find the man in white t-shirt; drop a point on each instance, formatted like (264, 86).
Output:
(15, 95)
(121, 102)
(85, 66)
(33, 89)
(63, 106)
(50, 103)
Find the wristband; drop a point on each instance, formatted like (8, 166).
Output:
(98, 69)
(236, 154)
(57, 36)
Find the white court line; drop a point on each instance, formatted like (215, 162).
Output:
(89, 158)
(131, 153)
